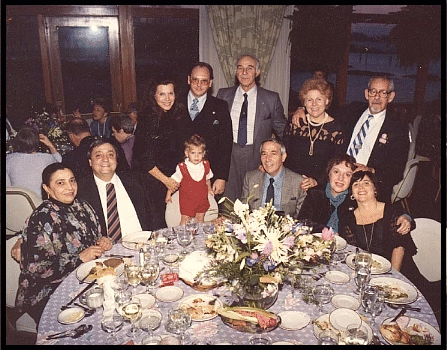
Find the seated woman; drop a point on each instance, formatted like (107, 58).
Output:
(25, 165)
(61, 234)
(372, 226)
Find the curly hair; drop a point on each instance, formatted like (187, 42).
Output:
(316, 84)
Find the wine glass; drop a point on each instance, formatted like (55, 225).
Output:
(363, 258)
(179, 321)
(184, 238)
(328, 337)
(170, 258)
(132, 273)
(112, 325)
(149, 274)
(362, 275)
(373, 299)
(336, 258)
(169, 234)
(132, 312)
(150, 321)
(355, 334)
(322, 294)
(159, 242)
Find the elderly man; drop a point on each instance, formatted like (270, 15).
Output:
(256, 113)
(277, 183)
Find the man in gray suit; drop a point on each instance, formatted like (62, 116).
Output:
(256, 113)
(277, 183)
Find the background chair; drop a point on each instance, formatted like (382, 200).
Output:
(24, 323)
(402, 190)
(427, 238)
(20, 203)
(173, 216)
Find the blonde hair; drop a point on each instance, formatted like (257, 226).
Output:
(316, 84)
(195, 140)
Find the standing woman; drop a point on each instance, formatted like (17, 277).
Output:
(312, 145)
(61, 234)
(157, 149)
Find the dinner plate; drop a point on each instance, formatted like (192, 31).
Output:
(414, 321)
(201, 307)
(169, 294)
(337, 277)
(380, 264)
(147, 300)
(293, 320)
(85, 268)
(345, 301)
(342, 317)
(191, 265)
(340, 242)
(397, 286)
(136, 240)
(71, 315)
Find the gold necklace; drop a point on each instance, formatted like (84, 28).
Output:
(311, 148)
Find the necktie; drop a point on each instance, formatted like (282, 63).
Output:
(360, 138)
(194, 110)
(113, 219)
(270, 192)
(242, 132)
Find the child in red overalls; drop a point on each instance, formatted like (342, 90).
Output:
(194, 176)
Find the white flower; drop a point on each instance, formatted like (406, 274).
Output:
(240, 209)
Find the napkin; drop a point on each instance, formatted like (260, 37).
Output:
(109, 285)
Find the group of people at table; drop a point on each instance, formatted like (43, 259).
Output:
(311, 168)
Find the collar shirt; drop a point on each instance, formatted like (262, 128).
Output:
(195, 170)
(277, 188)
(251, 112)
(128, 216)
(375, 125)
(200, 103)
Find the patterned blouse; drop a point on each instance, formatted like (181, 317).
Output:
(53, 238)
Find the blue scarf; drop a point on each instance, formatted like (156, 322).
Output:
(335, 201)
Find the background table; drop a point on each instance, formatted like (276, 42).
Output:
(213, 330)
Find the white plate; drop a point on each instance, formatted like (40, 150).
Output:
(345, 301)
(71, 315)
(85, 268)
(147, 300)
(169, 294)
(293, 320)
(192, 264)
(337, 277)
(380, 264)
(342, 317)
(136, 240)
(340, 242)
(197, 301)
(432, 330)
(401, 285)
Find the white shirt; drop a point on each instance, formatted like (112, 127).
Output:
(128, 216)
(251, 112)
(375, 124)
(200, 103)
(195, 170)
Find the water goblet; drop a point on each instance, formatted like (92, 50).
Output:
(184, 238)
(150, 321)
(363, 258)
(322, 294)
(355, 334)
(170, 236)
(362, 275)
(112, 325)
(170, 258)
(260, 339)
(178, 322)
(132, 312)
(336, 258)
(373, 299)
(132, 273)
(328, 337)
(149, 274)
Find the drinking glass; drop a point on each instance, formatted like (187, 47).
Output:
(132, 272)
(149, 274)
(260, 339)
(184, 238)
(150, 321)
(355, 334)
(328, 337)
(112, 325)
(170, 258)
(178, 322)
(336, 258)
(159, 243)
(170, 236)
(363, 259)
(322, 294)
(373, 299)
(362, 275)
(132, 312)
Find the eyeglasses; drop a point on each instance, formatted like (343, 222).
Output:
(199, 81)
(374, 92)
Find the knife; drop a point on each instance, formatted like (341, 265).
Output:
(401, 312)
(118, 256)
(90, 285)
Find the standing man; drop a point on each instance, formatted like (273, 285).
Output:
(209, 118)
(256, 113)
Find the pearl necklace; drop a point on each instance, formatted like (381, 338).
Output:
(312, 141)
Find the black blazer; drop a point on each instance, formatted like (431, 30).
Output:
(88, 190)
(213, 123)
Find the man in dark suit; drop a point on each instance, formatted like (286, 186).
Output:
(209, 118)
(131, 198)
(256, 113)
(287, 193)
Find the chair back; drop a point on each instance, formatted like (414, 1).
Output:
(427, 238)
(173, 216)
(403, 189)
(20, 203)
(412, 133)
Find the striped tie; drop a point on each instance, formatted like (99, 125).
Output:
(360, 138)
(194, 110)
(113, 219)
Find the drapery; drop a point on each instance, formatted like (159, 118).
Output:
(241, 29)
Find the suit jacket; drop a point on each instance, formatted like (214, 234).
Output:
(389, 155)
(269, 115)
(88, 190)
(292, 196)
(213, 123)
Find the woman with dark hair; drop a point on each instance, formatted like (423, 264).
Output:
(24, 167)
(157, 148)
(61, 234)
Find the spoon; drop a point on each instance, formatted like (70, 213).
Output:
(68, 333)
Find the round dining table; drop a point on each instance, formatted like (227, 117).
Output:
(214, 331)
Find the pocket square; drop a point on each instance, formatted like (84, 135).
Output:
(215, 122)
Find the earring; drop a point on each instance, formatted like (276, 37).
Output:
(352, 197)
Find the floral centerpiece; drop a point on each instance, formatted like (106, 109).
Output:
(252, 251)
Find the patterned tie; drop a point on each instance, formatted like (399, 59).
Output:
(113, 219)
(360, 138)
(270, 192)
(194, 110)
(242, 131)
